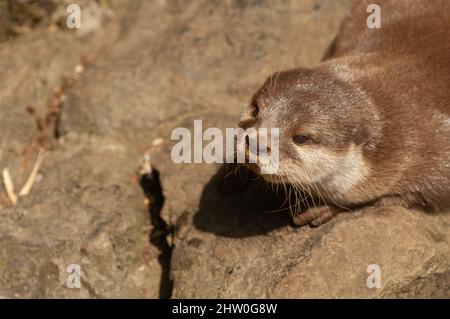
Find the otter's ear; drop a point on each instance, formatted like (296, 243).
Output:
(252, 110)
(249, 115)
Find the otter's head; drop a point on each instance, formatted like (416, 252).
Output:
(324, 127)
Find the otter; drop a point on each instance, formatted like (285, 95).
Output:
(370, 125)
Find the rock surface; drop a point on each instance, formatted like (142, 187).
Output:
(89, 227)
(85, 208)
(411, 249)
(163, 65)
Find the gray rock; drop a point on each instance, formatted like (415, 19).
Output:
(87, 226)
(193, 59)
(85, 207)
(266, 259)
(32, 67)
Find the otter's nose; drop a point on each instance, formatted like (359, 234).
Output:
(246, 123)
(257, 141)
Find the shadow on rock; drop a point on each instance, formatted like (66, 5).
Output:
(251, 211)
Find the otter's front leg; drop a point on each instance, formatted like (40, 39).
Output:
(316, 215)
(409, 202)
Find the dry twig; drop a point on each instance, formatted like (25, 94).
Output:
(9, 186)
(26, 188)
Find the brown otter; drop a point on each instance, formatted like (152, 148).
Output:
(371, 124)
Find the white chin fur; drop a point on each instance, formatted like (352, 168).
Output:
(319, 166)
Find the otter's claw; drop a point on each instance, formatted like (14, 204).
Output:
(315, 216)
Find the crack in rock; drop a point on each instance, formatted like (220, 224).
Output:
(151, 184)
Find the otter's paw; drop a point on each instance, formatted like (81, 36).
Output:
(315, 216)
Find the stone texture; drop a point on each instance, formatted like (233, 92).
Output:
(194, 58)
(225, 252)
(32, 67)
(85, 208)
(86, 226)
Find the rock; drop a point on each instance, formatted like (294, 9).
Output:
(408, 246)
(267, 258)
(193, 59)
(33, 68)
(85, 207)
(30, 68)
(74, 164)
(86, 226)
(4, 23)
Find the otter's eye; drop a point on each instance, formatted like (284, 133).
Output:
(300, 139)
(254, 109)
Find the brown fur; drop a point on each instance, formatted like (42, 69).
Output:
(384, 90)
